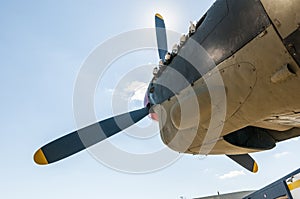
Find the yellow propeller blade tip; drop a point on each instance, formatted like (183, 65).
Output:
(40, 158)
(159, 16)
(255, 167)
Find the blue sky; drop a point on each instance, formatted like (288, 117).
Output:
(43, 45)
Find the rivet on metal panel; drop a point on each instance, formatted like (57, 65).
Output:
(263, 33)
(277, 22)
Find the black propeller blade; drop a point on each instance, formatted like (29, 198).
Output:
(246, 161)
(161, 36)
(81, 139)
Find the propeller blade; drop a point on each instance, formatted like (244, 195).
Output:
(246, 161)
(161, 36)
(81, 139)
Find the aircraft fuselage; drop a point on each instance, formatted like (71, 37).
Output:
(254, 47)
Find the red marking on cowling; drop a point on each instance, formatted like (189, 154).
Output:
(153, 116)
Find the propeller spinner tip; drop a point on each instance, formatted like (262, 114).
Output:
(40, 158)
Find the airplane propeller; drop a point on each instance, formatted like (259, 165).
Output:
(81, 139)
(161, 36)
(246, 161)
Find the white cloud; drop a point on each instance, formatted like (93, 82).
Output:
(293, 139)
(136, 90)
(109, 90)
(279, 155)
(132, 91)
(232, 174)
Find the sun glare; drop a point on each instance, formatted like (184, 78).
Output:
(169, 16)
